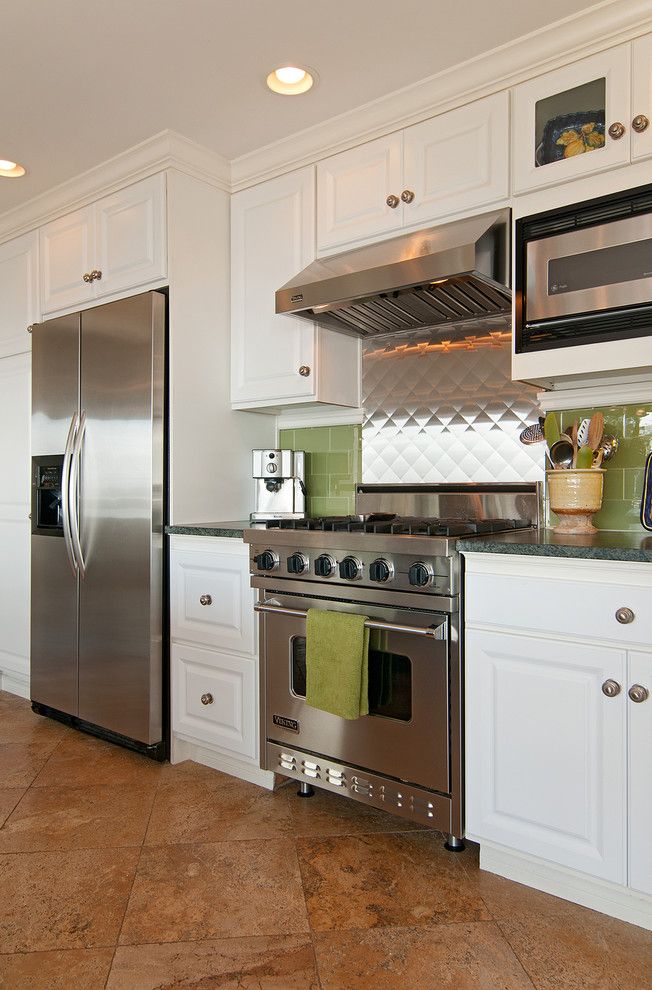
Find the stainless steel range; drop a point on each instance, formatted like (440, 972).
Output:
(397, 563)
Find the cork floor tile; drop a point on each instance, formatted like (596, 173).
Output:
(21, 762)
(51, 818)
(282, 962)
(81, 760)
(9, 798)
(72, 969)
(401, 879)
(64, 900)
(213, 890)
(332, 814)
(446, 957)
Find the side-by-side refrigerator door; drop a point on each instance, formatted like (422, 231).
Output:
(120, 460)
(54, 571)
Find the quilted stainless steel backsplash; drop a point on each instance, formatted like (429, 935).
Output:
(446, 411)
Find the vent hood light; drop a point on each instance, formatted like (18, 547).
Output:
(10, 170)
(290, 80)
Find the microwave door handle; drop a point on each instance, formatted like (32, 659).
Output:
(73, 498)
(432, 632)
(65, 492)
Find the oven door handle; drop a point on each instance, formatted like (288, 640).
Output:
(432, 632)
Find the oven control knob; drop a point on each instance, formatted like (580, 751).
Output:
(420, 574)
(380, 570)
(297, 563)
(267, 560)
(350, 568)
(324, 565)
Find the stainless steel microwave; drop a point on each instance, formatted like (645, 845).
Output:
(584, 273)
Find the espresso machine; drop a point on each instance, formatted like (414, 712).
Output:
(280, 487)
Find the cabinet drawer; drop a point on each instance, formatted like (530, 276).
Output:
(211, 601)
(547, 604)
(215, 698)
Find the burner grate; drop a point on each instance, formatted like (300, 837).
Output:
(399, 525)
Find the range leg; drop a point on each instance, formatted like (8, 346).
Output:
(305, 790)
(454, 845)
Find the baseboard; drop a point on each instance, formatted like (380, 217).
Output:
(14, 683)
(571, 885)
(184, 749)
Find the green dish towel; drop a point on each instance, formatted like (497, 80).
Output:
(337, 663)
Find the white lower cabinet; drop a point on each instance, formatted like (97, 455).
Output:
(558, 726)
(214, 656)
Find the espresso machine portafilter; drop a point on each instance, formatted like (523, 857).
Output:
(280, 486)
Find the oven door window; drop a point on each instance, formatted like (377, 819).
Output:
(390, 677)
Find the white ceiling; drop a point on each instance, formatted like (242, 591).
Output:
(82, 80)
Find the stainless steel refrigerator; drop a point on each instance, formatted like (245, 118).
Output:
(98, 515)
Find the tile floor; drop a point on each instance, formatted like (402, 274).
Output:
(122, 874)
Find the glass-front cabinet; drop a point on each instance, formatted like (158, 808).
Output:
(572, 121)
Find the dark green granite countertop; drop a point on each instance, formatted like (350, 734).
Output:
(234, 529)
(605, 545)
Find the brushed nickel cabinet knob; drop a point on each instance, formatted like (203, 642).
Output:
(207, 699)
(392, 201)
(611, 688)
(96, 274)
(87, 277)
(638, 693)
(304, 371)
(205, 600)
(624, 616)
(616, 130)
(407, 195)
(640, 123)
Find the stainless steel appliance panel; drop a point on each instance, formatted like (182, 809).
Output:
(582, 271)
(412, 745)
(55, 398)
(121, 516)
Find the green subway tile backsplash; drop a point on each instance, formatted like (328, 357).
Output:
(333, 458)
(623, 485)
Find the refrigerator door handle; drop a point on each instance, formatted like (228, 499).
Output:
(65, 492)
(72, 495)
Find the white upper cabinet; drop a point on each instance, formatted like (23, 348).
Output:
(358, 192)
(641, 122)
(277, 359)
(18, 292)
(453, 163)
(115, 244)
(457, 161)
(130, 233)
(573, 121)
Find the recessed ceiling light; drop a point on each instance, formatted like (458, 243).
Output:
(10, 170)
(291, 80)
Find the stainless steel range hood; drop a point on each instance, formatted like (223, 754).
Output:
(448, 274)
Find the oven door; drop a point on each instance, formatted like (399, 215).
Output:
(406, 734)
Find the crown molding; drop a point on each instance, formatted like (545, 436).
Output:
(605, 25)
(166, 149)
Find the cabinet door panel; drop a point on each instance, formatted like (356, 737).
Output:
(211, 601)
(352, 191)
(640, 775)
(272, 238)
(130, 236)
(18, 292)
(459, 160)
(215, 698)
(561, 121)
(66, 248)
(546, 750)
(642, 95)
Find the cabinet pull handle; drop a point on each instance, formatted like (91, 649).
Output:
(616, 130)
(640, 123)
(205, 600)
(624, 616)
(611, 688)
(207, 699)
(638, 693)
(392, 201)
(407, 195)
(304, 371)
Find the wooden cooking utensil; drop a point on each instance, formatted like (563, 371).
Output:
(596, 430)
(573, 435)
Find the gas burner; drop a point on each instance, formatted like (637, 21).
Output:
(398, 525)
